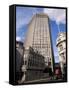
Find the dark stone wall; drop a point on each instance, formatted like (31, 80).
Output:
(19, 62)
(35, 66)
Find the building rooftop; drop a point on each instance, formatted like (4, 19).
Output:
(38, 15)
(19, 44)
(42, 14)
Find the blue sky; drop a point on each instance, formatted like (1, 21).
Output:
(24, 15)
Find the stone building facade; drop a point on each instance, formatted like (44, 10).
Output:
(19, 60)
(61, 45)
(33, 66)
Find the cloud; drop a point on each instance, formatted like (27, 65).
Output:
(56, 14)
(21, 21)
(24, 15)
(18, 38)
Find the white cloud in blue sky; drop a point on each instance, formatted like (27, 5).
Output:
(24, 15)
(56, 14)
(18, 38)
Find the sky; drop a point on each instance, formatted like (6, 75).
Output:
(57, 18)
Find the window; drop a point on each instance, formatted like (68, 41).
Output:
(63, 57)
(61, 47)
(25, 62)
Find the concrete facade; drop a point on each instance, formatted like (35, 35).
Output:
(39, 37)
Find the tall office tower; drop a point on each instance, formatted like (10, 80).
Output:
(39, 38)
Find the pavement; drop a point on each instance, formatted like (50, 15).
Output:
(49, 79)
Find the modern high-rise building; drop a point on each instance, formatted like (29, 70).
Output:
(39, 38)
